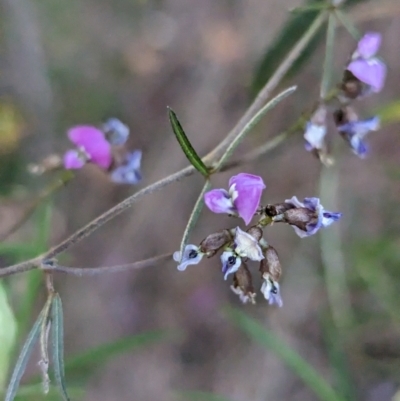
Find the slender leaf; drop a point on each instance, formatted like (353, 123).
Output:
(251, 124)
(194, 216)
(34, 392)
(200, 396)
(296, 26)
(186, 146)
(23, 358)
(84, 364)
(288, 355)
(390, 112)
(57, 336)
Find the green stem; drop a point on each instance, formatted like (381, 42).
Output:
(329, 51)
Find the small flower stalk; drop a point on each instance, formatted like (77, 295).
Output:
(238, 247)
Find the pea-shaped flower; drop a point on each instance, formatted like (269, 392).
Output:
(242, 199)
(91, 146)
(365, 66)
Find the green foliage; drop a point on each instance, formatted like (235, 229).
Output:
(295, 27)
(23, 358)
(8, 331)
(185, 144)
(289, 356)
(57, 339)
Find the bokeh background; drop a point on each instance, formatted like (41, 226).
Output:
(70, 62)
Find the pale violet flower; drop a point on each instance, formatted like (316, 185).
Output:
(129, 172)
(191, 256)
(242, 199)
(230, 263)
(365, 66)
(91, 146)
(308, 217)
(246, 246)
(316, 130)
(355, 131)
(117, 133)
(271, 291)
(314, 136)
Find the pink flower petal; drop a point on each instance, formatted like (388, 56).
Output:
(94, 143)
(369, 44)
(219, 201)
(72, 161)
(249, 189)
(372, 72)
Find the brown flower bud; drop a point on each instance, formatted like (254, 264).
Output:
(270, 264)
(275, 210)
(243, 285)
(255, 232)
(213, 242)
(300, 217)
(344, 115)
(351, 86)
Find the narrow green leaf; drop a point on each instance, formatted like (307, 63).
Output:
(251, 124)
(35, 392)
(194, 216)
(288, 355)
(23, 358)
(390, 112)
(186, 146)
(200, 396)
(57, 336)
(296, 26)
(83, 365)
(348, 24)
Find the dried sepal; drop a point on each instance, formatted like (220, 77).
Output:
(214, 242)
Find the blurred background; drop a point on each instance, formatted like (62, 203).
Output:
(72, 62)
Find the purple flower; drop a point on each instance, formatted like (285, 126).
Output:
(354, 132)
(116, 132)
(365, 66)
(242, 199)
(191, 256)
(129, 172)
(91, 147)
(309, 216)
(271, 291)
(230, 263)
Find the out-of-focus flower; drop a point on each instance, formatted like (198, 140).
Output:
(242, 285)
(316, 130)
(91, 146)
(191, 256)
(116, 132)
(271, 291)
(129, 172)
(365, 66)
(230, 263)
(246, 246)
(242, 199)
(307, 217)
(355, 131)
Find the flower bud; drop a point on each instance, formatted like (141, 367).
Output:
(213, 242)
(275, 210)
(243, 285)
(270, 264)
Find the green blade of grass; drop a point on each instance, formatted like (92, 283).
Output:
(185, 144)
(200, 396)
(289, 356)
(83, 365)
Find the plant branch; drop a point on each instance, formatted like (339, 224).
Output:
(92, 271)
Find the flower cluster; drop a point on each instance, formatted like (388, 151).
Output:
(364, 74)
(105, 148)
(238, 247)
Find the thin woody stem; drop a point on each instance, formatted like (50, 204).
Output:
(186, 172)
(91, 271)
